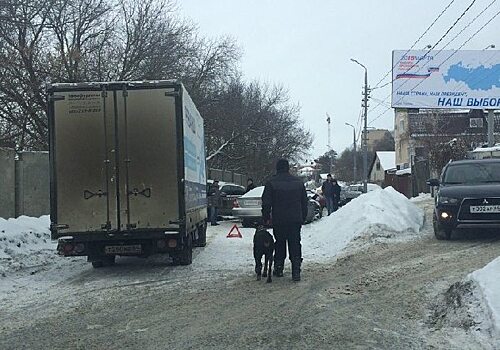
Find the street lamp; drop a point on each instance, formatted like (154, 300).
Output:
(354, 147)
(491, 46)
(364, 141)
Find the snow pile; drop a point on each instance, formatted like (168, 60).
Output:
(377, 213)
(25, 242)
(422, 197)
(489, 284)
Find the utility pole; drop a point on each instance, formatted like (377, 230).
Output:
(491, 128)
(328, 120)
(355, 172)
(365, 128)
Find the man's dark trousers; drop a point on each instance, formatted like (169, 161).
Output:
(282, 234)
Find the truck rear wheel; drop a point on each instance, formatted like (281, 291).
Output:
(185, 256)
(202, 236)
(103, 261)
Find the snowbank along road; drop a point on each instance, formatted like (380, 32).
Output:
(387, 285)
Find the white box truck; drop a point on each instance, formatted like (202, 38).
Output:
(128, 170)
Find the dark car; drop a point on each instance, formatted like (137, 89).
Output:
(228, 193)
(468, 196)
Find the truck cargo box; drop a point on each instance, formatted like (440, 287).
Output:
(128, 170)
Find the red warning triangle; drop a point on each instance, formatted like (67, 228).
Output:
(237, 234)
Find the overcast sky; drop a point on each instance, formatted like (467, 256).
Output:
(306, 46)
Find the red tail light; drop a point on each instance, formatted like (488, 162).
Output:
(236, 204)
(68, 248)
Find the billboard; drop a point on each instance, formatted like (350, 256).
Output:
(467, 79)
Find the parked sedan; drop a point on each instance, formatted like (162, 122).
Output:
(228, 193)
(249, 207)
(354, 191)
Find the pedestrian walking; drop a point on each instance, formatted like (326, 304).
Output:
(213, 202)
(336, 195)
(285, 202)
(250, 185)
(328, 193)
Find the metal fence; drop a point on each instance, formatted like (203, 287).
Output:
(227, 176)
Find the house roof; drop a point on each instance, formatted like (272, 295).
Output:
(428, 123)
(387, 159)
(487, 149)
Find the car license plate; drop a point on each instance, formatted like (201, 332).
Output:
(123, 249)
(252, 202)
(486, 209)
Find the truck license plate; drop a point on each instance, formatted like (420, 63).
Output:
(487, 209)
(123, 249)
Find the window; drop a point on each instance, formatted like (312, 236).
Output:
(378, 165)
(402, 125)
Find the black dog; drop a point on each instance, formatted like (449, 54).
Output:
(263, 244)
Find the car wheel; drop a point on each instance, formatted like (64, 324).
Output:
(440, 232)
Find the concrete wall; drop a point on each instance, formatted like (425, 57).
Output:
(24, 184)
(7, 183)
(32, 184)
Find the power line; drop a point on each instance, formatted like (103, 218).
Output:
(442, 37)
(380, 115)
(449, 42)
(414, 44)
(468, 25)
(437, 43)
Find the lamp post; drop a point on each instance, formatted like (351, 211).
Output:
(491, 46)
(354, 147)
(364, 138)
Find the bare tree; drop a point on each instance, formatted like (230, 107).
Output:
(22, 72)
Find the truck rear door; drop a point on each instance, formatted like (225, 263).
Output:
(149, 187)
(83, 161)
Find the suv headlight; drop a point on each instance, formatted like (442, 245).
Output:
(447, 200)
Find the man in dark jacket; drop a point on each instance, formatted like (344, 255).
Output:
(250, 185)
(336, 195)
(285, 202)
(327, 189)
(213, 202)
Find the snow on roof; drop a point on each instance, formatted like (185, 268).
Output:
(487, 149)
(387, 159)
(406, 171)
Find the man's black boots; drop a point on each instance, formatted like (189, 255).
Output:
(296, 269)
(278, 269)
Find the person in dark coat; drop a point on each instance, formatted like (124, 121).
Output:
(336, 195)
(213, 201)
(327, 189)
(250, 185)
(284, 201)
